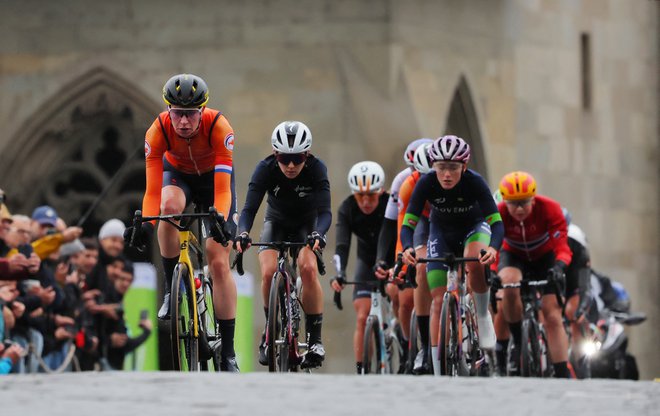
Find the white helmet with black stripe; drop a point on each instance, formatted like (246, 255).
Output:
(291, 137)
(422, 161)
(366, 176)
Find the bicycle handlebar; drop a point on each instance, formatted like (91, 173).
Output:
(217, 224)
(280, 246)
(523, 284)
(380, 284)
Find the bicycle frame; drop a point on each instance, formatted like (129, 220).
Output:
(381, 309)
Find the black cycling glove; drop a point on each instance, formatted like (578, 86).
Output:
(315, 236)
(244, 239)
(556, 274)
(143, 235)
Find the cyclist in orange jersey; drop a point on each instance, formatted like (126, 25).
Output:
(188, 153)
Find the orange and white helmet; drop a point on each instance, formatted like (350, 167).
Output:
(366, 176)
(517, 185)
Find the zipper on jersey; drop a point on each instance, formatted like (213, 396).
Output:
(524, 237)
(192, 159)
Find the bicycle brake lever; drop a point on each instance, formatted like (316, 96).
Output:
(337, 300)
(238, 264)
(319, 262)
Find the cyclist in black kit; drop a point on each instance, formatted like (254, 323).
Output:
(360, 214)
(298, 210)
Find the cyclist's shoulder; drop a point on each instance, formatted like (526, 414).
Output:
(316, 166)
(549, 206)
(400, 178)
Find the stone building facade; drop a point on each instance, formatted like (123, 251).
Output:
(567, 90)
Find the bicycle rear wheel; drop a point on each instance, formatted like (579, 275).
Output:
(448, 348)
(277, 339)
(372, 362)
(185, 346)
(530, 350)
(394, 348)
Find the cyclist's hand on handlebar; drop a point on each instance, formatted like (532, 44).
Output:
(381, 270)
(142, 235)
(243, 242)
(409, 256)
(489, 256)
(316, 241)
(337, 282)
(556, 275)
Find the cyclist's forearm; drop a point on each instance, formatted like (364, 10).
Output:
(386, 240)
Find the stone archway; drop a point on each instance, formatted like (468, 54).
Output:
(88, 137)
(462, 121)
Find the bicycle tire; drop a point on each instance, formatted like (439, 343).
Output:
(394, 350)
(185, 347)
(471, 353)
(277, 340)
(372, 362)
(448, 348)
(530, 350)
(414, 343)
(209, 326)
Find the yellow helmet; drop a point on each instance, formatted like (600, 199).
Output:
(517, 185)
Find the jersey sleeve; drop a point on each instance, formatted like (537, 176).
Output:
(559, 233)
(154, 149)
(222, 140)
(322, 187)
(491, 213)
(255, 194)
(415, 208)
(343, 234)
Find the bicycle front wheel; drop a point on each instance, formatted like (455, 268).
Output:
(449, 349)
(414, 343)
(372, 362)
(277, 339)
(185, 346)
(210, 331)
(530, 350)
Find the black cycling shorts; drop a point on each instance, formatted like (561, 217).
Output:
(531, 270)
(200, 190)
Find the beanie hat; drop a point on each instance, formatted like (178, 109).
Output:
(112, 228)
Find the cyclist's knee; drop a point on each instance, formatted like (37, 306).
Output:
(307, 270)
(172, 206)
(552, 318)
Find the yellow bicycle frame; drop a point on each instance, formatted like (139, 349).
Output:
(186, 239)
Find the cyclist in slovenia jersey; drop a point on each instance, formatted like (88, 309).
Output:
(188, 155)
(464, 221)
(298, 210)
(535, 247)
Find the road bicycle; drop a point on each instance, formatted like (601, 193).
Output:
(194, 332)
(534, 358)
(285, 353)
(458, 350)
(382, 348)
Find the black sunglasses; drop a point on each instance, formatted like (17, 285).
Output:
(286, 158)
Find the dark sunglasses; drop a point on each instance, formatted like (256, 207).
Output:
(179, 113)
(286, 158)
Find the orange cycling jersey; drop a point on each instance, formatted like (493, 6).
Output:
(209, 150)
(405, 192)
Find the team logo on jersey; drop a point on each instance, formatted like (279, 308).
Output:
(229, 141)
(556, 234)
(147, 149)
(412, 222)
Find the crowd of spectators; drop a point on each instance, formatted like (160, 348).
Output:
(61, 295)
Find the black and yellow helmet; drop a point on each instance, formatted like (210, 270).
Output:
(186, 90)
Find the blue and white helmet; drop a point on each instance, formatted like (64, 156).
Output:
(291, 137)
(409, 154)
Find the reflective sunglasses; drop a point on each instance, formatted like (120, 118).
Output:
(448, 166)
(286, 158)
(189, 113)
(522, 203)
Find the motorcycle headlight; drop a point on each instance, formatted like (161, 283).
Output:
(590, 348)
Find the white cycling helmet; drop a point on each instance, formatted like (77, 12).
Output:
(409, 154)
(422, 161)
(366, 176)
(291, 137)
(450, 148)
(578, 235)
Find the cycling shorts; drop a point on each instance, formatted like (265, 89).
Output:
(199, 189)
(531, 270)
(421, 235)
(441, 242)
(363, 273)
(275, 231)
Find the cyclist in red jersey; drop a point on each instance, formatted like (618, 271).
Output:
(188, 154)
(535, 240)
